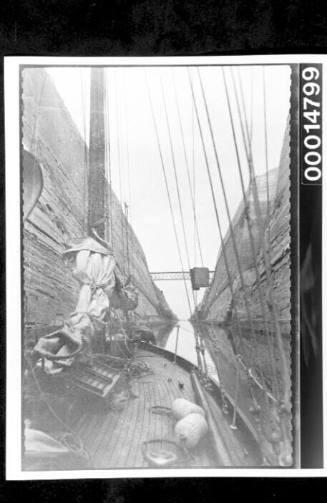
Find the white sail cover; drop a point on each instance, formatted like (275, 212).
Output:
(93, 267)
(95, 273)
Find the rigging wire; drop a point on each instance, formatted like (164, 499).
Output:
(167, 187)
(232, 235)
(271, 301)
(108, 163)
(127, 240)
(128, 159)
(176, 177)
(118, 146)
(120, 169)
(252, 244)
(106, 155)
(229, 278)
(43, 396)
(266, 159)
(266, 147)
(34, 142)
(194, 198)
(34, 145)
(198, 341)
(129, 191)
(202, 352)
(176, 182)
(250, 375)
(86, 157)
(192, 192)
(193, 189)
(251, 109)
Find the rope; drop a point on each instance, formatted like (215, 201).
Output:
(285, 404)
(118, 126)
(266, 159)
(108, 163)
(176, 177)
(197, 349)
(129, 191)
(272, 304)
(167, 189)
(34, 143)
(106, 156)
(67, 427)
(248, 371)
(177, 188)
(34, 146)
(215, 205)
(86, 167)
(233, 425)
(237, 257)
(176, 343)
(128, 153)
(127, 241)
(193, 191)
(229, 279)
(251, 109)
(247, 218)
(120, 170)
(202, 351)
(188, 169)
(266, 140)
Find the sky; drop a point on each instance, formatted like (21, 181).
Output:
(136, 168)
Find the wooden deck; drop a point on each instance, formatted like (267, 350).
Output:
(114, 438)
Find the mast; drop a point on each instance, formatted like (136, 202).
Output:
(96, 172)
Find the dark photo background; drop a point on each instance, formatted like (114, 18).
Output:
(188, 27)
(311, 326)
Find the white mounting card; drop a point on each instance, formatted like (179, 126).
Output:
(163, 318)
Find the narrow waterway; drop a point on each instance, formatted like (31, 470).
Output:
(181, 339)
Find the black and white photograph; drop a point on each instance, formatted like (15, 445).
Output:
(157, 265)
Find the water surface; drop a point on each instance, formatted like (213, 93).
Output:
(181, 338)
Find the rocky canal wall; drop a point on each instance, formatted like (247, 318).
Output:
(50, 292)
(217, 305)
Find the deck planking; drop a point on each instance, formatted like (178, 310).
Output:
(114, 438)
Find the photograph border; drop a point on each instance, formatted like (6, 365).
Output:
(294, 232)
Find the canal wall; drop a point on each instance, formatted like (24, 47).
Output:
(50, 292)
(217, 305)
